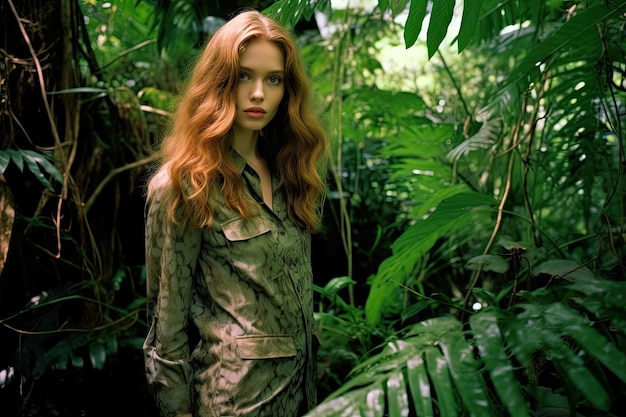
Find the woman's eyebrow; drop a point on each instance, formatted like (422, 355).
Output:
(276, 71)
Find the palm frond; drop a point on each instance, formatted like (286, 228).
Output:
(499, 361)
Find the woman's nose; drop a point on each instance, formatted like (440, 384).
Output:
(257, 91)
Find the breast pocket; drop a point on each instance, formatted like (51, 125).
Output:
(237, 230)
(252, 251)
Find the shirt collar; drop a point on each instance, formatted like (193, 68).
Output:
(238, 160)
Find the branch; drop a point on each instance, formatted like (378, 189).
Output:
(115, 172)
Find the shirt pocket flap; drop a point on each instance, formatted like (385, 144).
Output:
(241, 229)
(265, 347)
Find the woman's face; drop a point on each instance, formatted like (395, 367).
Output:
(261, 85)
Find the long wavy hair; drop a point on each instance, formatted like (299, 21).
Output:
(196, 153)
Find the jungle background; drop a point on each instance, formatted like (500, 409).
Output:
(473, 261)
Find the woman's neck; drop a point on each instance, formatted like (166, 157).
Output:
(245, 143)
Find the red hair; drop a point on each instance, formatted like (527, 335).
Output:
(196, 155)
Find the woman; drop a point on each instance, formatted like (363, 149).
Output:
(230, 214)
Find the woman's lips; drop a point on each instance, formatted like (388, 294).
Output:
(255, 112)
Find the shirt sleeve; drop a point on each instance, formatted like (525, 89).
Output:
(171, 255)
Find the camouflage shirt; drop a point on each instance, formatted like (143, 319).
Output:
(246, 288)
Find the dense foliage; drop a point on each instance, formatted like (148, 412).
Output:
(474, 257)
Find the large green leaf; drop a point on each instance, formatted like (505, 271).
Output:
(368, 403)
(434, 364)
(437, 365)
(566, 269)
(442, 383)
(396, 6)
(605, 299)
(289, 13)
(440, 19)
(35, 162)
(452, 214)
(417, 13)
(538, 334)
(488, 263)
(577, 376)
(419, 386)
(571, 323)
(397, 397)
(488, 339)
(578, 32)
(469, 22)
(465, 372)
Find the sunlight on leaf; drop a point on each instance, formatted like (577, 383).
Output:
(419, 386)
(437, 367)
(485, 138)
(397, 398)
(488, 338)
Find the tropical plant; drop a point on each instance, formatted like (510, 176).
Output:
(474, 257)
(77, 133)
(538, 154)
(501, 362)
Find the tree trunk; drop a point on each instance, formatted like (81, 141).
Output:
(58, 257)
